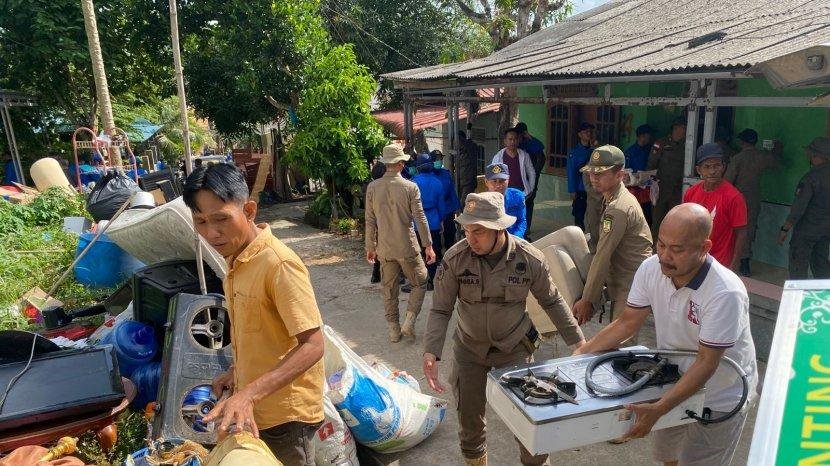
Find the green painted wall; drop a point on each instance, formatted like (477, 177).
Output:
(794, 127)
(534, 115)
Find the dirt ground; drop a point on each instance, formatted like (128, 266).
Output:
(353, 307)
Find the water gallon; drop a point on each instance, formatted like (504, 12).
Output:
(134, 343)
(105, 265)
(47, 172)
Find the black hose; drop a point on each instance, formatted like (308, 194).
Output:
(703, 418)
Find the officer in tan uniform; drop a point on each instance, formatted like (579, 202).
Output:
(392, 204)
(490, 274)
(668, 157)
(624, 239)
(744, 172)
(593, 212)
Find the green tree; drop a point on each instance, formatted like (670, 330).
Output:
(238, 52)
(336, 135)
(392, 36)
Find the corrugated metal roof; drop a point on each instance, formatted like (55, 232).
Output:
(649, 37)
(428, 116)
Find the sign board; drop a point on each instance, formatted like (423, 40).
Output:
(793, 423)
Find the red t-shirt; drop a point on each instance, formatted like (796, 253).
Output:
(728, 210)
(515, 172)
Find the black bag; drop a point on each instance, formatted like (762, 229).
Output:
(109, 194)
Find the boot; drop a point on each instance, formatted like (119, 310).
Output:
(744, 268)
(394, 332)
(480, 461)
(408, 328)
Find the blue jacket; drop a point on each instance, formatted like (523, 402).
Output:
(532, 146)
(577, 158)
(636, 157)
(431, 198)
(450, 197)
(514, 204)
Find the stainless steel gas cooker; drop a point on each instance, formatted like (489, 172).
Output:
(543, 418)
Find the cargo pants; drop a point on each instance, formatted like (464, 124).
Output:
(468, 378)
(415, 271)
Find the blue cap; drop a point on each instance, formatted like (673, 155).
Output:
(710, 150)
(423, 161)
(644, 129)
(584, 126)
(496, 171)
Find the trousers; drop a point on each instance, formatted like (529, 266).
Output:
(809, 248)
(415, 271)
(469, 380)
(291, 442)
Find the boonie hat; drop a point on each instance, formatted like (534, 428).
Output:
(496, 171)
(603, 158)
(393, 153)
(487, 210)
(748, 135)
(710, 150)
(820, 147)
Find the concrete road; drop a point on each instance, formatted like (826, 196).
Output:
(352, 306)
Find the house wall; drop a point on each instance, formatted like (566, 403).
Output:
(795, 127)
(438, 137)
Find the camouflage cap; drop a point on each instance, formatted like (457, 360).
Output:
(604, 158)
(487, 210)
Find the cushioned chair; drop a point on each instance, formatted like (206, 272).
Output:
(566, 252)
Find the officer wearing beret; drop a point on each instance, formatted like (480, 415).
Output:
(668, 157)
(624, 239)
(810, 216)
(489, 274)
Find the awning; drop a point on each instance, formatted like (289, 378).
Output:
(429, 116)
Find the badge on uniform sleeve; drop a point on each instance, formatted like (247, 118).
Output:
(521, 268)
(607, 223)
(439, 274)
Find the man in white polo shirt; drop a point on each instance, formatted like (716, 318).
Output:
(698, 304)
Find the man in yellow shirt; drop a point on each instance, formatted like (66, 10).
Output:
(276, 381)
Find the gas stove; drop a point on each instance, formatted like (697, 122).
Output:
(548, 407)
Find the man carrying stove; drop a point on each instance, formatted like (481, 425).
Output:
(700, 304)
(489, 274)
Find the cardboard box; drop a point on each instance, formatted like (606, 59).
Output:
(34, 302)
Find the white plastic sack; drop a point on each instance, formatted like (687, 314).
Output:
(382, 414)
(333, 443)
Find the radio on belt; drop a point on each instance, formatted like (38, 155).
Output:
(549, 408)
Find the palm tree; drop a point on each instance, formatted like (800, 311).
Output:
(98, 72)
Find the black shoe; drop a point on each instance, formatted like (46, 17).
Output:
(430, 286)
(744, 268)
(406, 288)
(374, 279)
(402, 280)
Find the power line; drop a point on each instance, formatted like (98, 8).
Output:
(356, 26)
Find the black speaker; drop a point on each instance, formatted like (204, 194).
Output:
(196, 349)
(155, 286)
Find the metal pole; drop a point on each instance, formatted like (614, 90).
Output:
(18, 165)
(709, 117)
(177, 63)
(407, 120)
(691, 138)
